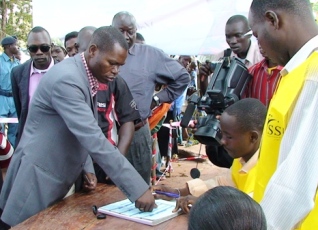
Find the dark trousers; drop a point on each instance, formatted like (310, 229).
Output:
(163, 137)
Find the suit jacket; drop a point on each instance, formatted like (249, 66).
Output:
(20, 80)
(61, 131)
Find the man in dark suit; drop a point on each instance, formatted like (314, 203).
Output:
(26, 77)
(61, 131)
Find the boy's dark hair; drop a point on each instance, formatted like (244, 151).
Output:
(250, 114)
(225, 207)
(69, 36)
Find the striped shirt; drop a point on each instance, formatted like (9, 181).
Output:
(263, 82)
(93, 83)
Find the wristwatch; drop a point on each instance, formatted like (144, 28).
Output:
(156, 100)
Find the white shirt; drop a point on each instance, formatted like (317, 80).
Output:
(290, 193)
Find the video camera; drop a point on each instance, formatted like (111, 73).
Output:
(226, 87)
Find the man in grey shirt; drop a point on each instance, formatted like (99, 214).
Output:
(145, 67)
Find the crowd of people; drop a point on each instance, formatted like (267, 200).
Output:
(86, 112)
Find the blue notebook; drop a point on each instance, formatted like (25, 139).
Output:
(126, 209)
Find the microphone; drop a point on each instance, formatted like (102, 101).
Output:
(193, 101)
(187, 115)
(195, 173)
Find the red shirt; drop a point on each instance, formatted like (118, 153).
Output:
(264, 81)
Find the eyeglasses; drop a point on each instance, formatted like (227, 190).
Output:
(34, 48)
(248, 33)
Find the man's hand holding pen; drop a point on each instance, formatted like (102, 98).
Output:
(167, 193)
(90, 181)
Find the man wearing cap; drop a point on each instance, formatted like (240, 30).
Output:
(7, 62)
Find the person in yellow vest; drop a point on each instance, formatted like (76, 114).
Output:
(287, 177)
(241, 124)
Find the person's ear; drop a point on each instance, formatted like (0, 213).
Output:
(92, 50)
(272, 18)
(254, 136)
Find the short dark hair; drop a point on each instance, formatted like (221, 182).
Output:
(250, 114)
(39, 29)
(84, 37)
(238, 18)
(125, 13)
(69, 36)
(140, 37)
(106, 36)
(294, 7)
(225, 207)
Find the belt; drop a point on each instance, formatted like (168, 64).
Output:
(6, 93)
(140, 123)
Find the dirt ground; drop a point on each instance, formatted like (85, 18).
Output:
(181, 169)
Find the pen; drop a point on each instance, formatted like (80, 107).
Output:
(169, 194)
(86, 178)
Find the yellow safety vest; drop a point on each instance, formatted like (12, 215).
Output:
(278, 115)
(243, 181)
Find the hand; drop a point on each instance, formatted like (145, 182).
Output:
(146, 202)
(205, 69)
(90, 182)
(193, 126)
(184, 202)
(164, 189)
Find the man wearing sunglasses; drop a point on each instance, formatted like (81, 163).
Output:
(26, 77)
(25, 80)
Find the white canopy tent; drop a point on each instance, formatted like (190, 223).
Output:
(178, 27)
(191, 27)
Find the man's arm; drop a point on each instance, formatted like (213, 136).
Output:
(78, 117)
(15, 91)
(174, 75)
(290, 193)
(125, 135)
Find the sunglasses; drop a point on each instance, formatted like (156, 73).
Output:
(34, 48)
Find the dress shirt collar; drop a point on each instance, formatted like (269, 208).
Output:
(301, 55)
(6, 57)
(250, 57)
(93, 83)
(34, 70)
(247, 166)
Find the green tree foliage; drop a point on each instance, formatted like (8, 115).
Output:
(16, 18)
